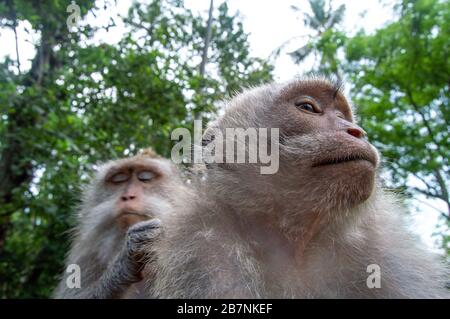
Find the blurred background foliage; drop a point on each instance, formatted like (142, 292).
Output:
(86, 101)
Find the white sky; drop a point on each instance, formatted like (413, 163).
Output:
(269, 23)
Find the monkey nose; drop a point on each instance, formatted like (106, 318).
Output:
(127, 197)
(356, 132)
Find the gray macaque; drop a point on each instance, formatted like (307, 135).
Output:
(118, 218)
(320, 226)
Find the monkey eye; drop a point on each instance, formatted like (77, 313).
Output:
(145, 176)
(308, 107)
(119, 178)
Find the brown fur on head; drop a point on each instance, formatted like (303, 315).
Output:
(149, 152)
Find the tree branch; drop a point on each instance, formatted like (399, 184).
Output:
(444, 190)
(436, 209)
(13, 13)
(425, 122)
(17, 46)
(426, 193)
(207, 39)
(428, 186)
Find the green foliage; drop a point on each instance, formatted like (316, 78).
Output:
(400, 82)
(326, 39)
(82, 103)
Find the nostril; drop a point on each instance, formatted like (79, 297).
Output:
(356, 132)
(128, 197)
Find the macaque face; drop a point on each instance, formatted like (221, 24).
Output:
(133, 190)
(131, 183)
(324, 156)
(332, 157)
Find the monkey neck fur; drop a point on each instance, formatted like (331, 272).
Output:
(282, 218)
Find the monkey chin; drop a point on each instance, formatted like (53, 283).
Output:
(349, 183)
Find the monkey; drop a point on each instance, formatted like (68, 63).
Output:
(321, 226)
(119, 214)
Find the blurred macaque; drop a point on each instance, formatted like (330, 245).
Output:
(118, 217)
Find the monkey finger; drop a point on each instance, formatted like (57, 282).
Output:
(144, 236)
(139, 236)
(145, 226)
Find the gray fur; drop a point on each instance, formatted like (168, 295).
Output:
(241, 234)
(110, 257)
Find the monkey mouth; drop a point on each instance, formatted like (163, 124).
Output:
(126, 218)
(133, 213)
(344, 159)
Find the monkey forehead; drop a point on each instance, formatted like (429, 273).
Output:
(159, 166)
(251, 107)
(318, 85)
(276, 91)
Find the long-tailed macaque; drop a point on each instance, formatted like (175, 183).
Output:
(119, 215)
(321, 226)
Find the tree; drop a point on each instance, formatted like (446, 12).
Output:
(400, 79)
(24, 106)
(325, 40)
(84, 103)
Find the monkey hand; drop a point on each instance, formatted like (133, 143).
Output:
(127, 266)
(139, 237)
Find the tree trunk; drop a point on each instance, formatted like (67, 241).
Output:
(207, 40)
(16, 168)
